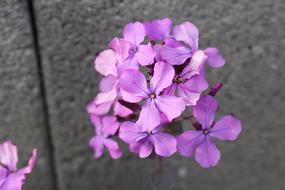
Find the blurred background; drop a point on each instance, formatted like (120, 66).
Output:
(46, 78)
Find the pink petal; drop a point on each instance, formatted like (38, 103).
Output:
(227, 128)
(164, 144)
(15, 181)
(198, 83)
(97, 144)
(109, 96)
(194, 67)
(121, 47)
(205, 111)
(28, 169)
(131, 132)
(170, 90)
(175, 56)
(113, 148)
(190, 96)
(130, 63)
(149, 117)
(162, 77)
(188, 33)
(145, 54)
(192, 89)
(134, 33)
(3, 174)
(188, 141)
(143, 148)
(130, 97)
(96, 121)
(110, 125)
(8, 155)
(158, 29)
(107, 83)
(171, 106)
(207, 154)
(215, 59)
(171, 42)
(101, 109)
(134, 82)
(105, 63)
(121, 110)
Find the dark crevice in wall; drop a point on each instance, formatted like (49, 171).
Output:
(50, 145)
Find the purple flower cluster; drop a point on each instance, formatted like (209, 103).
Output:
(151, 76)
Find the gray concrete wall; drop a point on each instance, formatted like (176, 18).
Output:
(48, 108)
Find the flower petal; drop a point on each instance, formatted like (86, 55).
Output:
(129, 97)
(109, 96)
(28, 169)
(215, 59)
(110, 125)
(134, 82)
(194, 67)
(149, 117)
(207, 154)
(175, 56)
(105, 63)
(197, 83)
(101, 109)
(190, 96)
(188, 141)
(192, 89)
(162, 77)
(145, 54)
(130, 63)
(143, 148)
(134, 33)
(158, 29)
(131, 132)
(227, 128)
(171, 106)
(170, 90)
(96, 121)
(121, 47)
(4, 172)
(205, 111)
(15, 179)
(107, 83)
(9, 155)
(121, 110)
(188, 33)
(164, 144)
(97, 144)
(113, 148)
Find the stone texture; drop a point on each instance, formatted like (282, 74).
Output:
(21, 110)
(251, 36)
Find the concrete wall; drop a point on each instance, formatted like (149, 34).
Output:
(47, 77)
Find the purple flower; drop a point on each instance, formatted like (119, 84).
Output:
(190, 82)
(135, 33)
(10, 177)
(158, 29)
(110, 63)
(200, 141)
(156, 103)
(105, 127)
(143, 142)
(187, 35)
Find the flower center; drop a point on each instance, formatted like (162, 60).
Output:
(206, 131)
(176, 79)
(152, 95)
